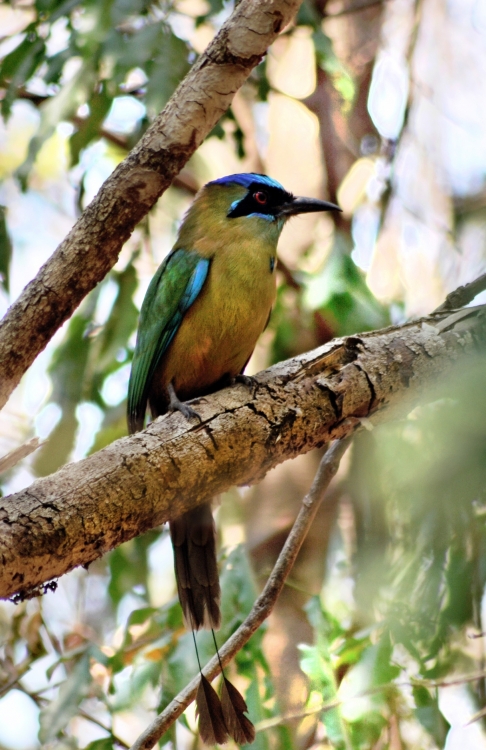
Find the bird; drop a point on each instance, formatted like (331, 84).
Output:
(203, 312)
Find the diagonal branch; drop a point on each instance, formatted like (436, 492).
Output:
(91, 248)
(74, 516)
(463, 295)
(266, 601)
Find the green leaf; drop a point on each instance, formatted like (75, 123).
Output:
(256, 712)
(67, 371)
(338, 74)
(139, 616)
(56, 715)
(129, 565)
(19, 66)
(56, 8)
(135, 50)
(56, 451)
(121, 322)
(89, 129)
(106, 743)
(130, 690)
(339, 291)
(70, 358)
(123, 9)
(428, 713)
(238, 590)
(55, 65)
(215, 6)
(114, 426)
(316, 664)
(169, 66)
(5, 250)
(63, 106)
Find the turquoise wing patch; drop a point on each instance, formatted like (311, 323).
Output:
(172, 291)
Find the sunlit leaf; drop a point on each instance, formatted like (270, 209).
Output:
(428, 713)
(337, 72)
(167, 69)
(88, 129)
(104, 744)
(56, 715)
(67, 371)
(60, 107)
(19, 66)
(129, 566)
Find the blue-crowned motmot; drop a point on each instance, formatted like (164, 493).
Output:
(200, 320)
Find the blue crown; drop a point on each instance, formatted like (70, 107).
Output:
(246, 179)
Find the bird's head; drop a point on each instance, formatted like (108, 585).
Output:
(248, 202)
(262, 197)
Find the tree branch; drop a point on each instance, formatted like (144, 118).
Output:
(266, 601)
(92, 246)
(463, 295)
(87, 508)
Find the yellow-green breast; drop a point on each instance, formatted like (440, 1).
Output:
(219, 331)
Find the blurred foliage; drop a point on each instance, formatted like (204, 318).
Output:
(426, 496)
(5, 249)
(413, 560)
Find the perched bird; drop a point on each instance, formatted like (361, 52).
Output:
(200, 320)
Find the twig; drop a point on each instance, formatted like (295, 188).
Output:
(265, 602)
(94, 720)
(288, 275)
(12, 458)
(21, 670)
(463, 295)
(336, 702)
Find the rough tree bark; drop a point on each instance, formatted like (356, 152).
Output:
(92, 247)
(87, 508)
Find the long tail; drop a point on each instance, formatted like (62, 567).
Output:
(194, 540)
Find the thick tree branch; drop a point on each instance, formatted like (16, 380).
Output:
(87, 508)
(264, 604)
(92, 246)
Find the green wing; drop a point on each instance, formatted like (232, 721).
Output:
(171, 292)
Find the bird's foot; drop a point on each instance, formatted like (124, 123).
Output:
(176, 405)
(247, 380)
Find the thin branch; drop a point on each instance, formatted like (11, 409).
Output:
(289, 276)
(337, 702)
(11, 459)
(41, 701)
(266, 601)
(117, 740)
(21, 670)
(463, 295)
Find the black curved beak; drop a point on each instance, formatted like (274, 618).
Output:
(306, 206)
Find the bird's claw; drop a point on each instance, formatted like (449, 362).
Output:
(176, 405)
(246, 380)
(186, 410)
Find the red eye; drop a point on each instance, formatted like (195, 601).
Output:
(260, 198)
